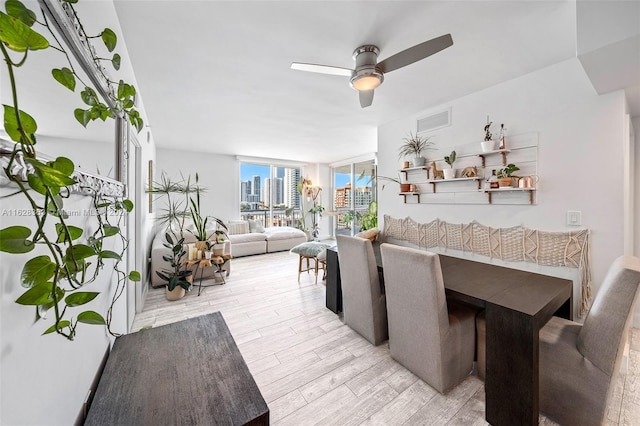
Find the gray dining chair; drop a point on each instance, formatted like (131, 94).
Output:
(580, 362)
(363, 302)
(434, 341)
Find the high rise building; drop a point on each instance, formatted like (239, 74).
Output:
(256, 190)
(245, 191)
(290, 183)
(362, 196)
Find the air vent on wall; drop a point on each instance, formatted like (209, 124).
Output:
(434, 121)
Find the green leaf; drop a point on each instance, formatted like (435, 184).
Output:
(74, 233)
(115, 61)
(110, 231)
(36, 184)
(65, 77)
(50, 176)
(11, 123)
(14, 240)
(19, 37)
(128, 205)
(80, 298)
(37, 271)
(80, 251)
(18, 10)
(109, 38)
(89, 96)
(71, 1)
(134, 276)
(39, 294)
(63, 165)
(108, 254)
(83, 116)
(91, 317)
(61, 324)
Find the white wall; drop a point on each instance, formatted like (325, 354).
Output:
(580, 157)
(220, 174)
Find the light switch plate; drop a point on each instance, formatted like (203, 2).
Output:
(574, 218)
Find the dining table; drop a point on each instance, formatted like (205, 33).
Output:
(517, 305)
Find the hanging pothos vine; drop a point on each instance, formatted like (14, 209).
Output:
(56, 280)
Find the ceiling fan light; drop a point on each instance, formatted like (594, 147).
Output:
(366, 82)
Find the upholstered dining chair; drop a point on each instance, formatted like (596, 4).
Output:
(363, 302)
(580, 362)
(434, 341)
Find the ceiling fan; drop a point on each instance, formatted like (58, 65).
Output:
(369, 73)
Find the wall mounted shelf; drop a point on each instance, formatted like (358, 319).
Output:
(502, 152)
(433, 182)
(509, 189)
(409, 169)
(404, 194)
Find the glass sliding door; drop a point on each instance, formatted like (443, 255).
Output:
(353, 195)
(269, 194)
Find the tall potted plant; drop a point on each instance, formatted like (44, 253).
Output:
(414, 146)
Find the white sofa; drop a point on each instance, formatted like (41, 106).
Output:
(248, 237)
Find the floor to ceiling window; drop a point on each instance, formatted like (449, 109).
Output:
(354, 196)
(269, 194)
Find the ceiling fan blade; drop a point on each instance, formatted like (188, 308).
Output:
(366, 98)
(415, 53)
(322, 69)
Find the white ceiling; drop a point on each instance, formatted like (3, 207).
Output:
(215, 76)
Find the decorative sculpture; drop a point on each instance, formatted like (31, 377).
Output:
(469, 172)
(436, 174)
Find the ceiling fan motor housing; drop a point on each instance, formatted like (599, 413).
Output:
(366, 76)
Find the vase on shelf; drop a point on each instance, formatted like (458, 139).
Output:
(449, 173)
(418, 162)
(488, 146)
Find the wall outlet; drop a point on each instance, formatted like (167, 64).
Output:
(574, 218)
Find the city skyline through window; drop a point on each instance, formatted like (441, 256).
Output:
(268, 193)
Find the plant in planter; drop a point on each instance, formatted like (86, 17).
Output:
(404, 187)
(352, 218)
(414, 146)
(505, 175)
(369, 220)
(489, 144)
(450, 173)
(178, 277)
(175, 212)
(68, 258)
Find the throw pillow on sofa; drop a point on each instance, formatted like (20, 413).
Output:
(255, 226)
(235, 227)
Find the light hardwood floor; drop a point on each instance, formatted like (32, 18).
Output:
(312, 369)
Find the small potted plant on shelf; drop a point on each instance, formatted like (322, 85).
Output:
(178, 278)
(505, 175)
(404, 187)
(489, 144)
(415, 145)
(450, 173)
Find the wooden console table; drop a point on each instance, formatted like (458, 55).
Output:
(190, 372)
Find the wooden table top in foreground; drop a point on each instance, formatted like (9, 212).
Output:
(189, 372)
